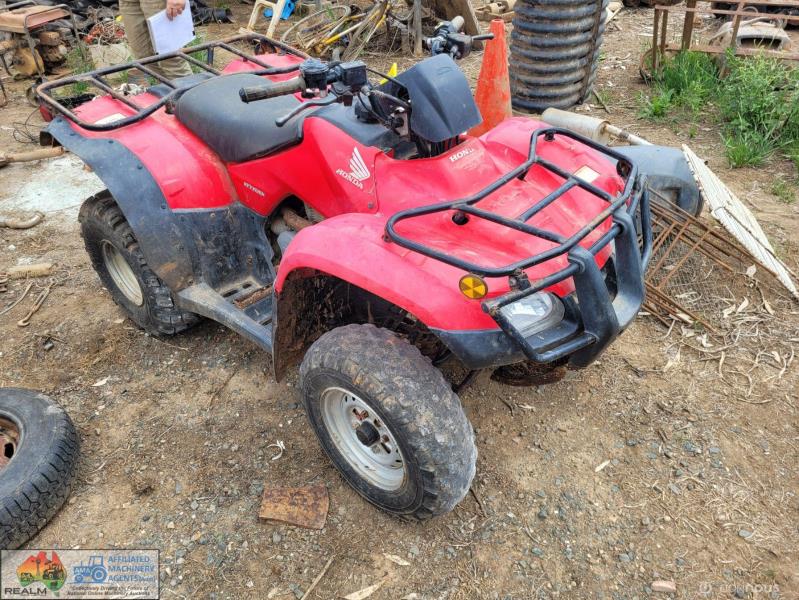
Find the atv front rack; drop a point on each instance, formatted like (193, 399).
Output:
(601, 314)
(99, 77)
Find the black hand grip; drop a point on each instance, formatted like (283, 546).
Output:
(271, 90)
(482, 36)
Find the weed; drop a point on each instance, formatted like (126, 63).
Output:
(757, 95)
(78, 64)
(603, 96)
(746, 148)
(201, 55)
(687, 81)
(692, 77)
(757, 102)
(784, 191)
(792, 152)
(656, 107)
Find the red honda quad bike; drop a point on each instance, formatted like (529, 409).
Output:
(355, 228)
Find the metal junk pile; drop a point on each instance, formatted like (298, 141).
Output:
(343, 31)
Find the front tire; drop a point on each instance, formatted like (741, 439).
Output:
(389, 421)
(121, 266)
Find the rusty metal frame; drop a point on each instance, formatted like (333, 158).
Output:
(675, 231)
(97, 78)
(661, 19)
(27, 28)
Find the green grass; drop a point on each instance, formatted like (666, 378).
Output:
(688, 81)
(784, 191)
(755, 103)
(792, 153)
(200, 55)
(77, 64)
(692, 78)
(603, 96)
(746, 148)
(656, 107)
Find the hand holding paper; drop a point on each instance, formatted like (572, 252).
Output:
(174, 8)
(171, 33)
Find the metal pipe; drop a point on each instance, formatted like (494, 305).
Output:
(6, 159)
(295, 221)
(599, 130)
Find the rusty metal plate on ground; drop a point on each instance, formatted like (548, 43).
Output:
(302, 506)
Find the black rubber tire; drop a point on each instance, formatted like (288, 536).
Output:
(39, 478)
(412, 398)
(102, 221)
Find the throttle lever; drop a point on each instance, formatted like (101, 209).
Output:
(330, 99)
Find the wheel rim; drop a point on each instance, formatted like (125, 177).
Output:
(363, 439)
(121, 273)
(9, 440)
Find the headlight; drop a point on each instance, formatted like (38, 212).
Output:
(534, 313)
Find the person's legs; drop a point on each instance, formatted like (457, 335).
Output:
(136, 28)
(134, 14)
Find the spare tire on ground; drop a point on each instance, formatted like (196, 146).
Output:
(38, 458)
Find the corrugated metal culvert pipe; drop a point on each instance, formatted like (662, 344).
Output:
(555, 52)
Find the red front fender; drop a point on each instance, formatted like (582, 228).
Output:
(351, 247)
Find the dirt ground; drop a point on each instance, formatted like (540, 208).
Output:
(700, 476)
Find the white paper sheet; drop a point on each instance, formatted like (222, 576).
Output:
(168, 36)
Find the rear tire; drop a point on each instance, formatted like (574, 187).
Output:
(122, 268)
(404, 403)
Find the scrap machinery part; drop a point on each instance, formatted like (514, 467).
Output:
(25, 62)
(555, 52)
(34, 39)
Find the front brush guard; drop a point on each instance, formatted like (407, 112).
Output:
(602, 315)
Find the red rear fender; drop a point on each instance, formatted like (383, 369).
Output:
(189, 174)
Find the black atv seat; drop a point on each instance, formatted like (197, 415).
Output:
(237, 131)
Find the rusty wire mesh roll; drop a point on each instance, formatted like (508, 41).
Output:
(554, 49)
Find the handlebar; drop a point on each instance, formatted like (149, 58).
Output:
(313, 80)
(272, 90)
(448, 39)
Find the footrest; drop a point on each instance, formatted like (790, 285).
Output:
(252, 321)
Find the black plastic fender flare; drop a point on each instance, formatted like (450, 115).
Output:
(668, 175)
(163, 241)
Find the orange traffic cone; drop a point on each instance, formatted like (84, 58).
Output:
(493, 85)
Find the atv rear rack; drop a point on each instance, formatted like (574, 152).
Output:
(98, 78)
(602, 314)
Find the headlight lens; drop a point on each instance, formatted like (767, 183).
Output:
(534, 313)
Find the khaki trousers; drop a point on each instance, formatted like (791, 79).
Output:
(134, 14)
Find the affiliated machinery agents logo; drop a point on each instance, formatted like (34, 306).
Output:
(87, 574)
(94, 570)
